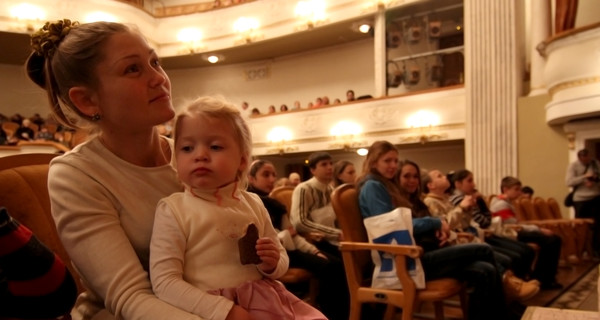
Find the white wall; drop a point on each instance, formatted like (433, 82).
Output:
(19, 94)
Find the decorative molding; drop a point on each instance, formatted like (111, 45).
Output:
(572, 84)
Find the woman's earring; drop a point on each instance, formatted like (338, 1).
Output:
(96, 117)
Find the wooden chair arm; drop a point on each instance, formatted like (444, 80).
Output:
(395, 249)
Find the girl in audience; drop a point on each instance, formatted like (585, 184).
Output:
(214, 251)
(474, 263)
(105, 77)
(333, 297)
(343, 172)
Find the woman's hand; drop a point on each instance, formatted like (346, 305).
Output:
(444, 233)
(268, 251)
(238, 313)
(467, 202)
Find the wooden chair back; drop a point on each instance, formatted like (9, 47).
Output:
(527, 209)
(283, 195)
(542, 209)
(554, 208)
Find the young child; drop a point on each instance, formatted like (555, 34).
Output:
(549, 243)
(200, 260)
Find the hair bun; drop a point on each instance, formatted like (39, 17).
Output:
(45, 41)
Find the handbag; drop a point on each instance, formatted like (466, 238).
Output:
(569, 199)
(393, 227)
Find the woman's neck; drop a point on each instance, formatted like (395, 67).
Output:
(145, 150)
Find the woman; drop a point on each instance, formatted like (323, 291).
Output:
(474, 263)
(343, 172)
(105, 77)
(333, 297)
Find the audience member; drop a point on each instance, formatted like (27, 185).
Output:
(325, 100)
(283, 182)
(583, 175)
(549, 243)
(297, 105)
(3, 137)
(521, 254)
(24, 132)
(527, 192)
(318, 103)
(198, 258)
(350, 96)
(343, 172)
(337, 101)
(311, 210)
(310, 105)
(255, 112)
(34, 281)
(283, 108)
(37, 120)
(104, 192)
(473, 263)
(294, 178)
(272, 109)
(459, 219)
(44, 134)
(333, 296)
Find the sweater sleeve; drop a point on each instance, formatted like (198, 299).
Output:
(92, 233)
(166, 269)
(302, 202)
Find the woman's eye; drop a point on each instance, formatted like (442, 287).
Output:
(132, 68)
(186, 148)
(216, 147)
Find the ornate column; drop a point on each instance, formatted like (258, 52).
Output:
(541, 30)
(493, 74)
(380, 53)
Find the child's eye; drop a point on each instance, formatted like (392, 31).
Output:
(156, 62)
(216, 147)
(186, 148)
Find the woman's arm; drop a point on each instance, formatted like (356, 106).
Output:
(92, 233)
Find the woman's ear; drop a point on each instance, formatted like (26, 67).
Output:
(85, 100)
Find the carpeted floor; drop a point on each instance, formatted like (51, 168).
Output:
(583, 295)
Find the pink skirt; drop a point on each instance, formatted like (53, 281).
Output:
(267, 299)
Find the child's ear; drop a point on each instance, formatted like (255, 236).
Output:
(85, 100)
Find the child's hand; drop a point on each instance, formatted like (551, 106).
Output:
(268, 252)
(238, 313)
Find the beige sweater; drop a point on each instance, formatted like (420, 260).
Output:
(104, 210)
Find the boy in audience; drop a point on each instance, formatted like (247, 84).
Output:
(549, 243)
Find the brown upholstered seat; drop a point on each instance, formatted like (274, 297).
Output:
(24, 193)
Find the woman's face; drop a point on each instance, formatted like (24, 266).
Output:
(409, 178)
(134, 92)
(387, 164)
(348, 175)
(265, 178)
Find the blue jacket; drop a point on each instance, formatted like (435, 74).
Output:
(374, 199)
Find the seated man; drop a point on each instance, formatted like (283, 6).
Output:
(34, 282)
(549, 243)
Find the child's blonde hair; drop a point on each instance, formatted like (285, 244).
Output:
(218, 108)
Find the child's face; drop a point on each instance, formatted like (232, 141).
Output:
(513, 192)
(466, 185)
(387, 164)
(208, 156)
(323, 171)
(265, 178)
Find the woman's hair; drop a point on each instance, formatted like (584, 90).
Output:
(338, 168)
(419, 208)
(461, 175)
(65, 54)
(217, 108)
(256, 165)
(376, 151)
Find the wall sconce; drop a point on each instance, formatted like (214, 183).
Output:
(247, 29)
(424, 121)
(190, 37)
(312, 12)
(26, 15)
(280, 137)
(346, 134)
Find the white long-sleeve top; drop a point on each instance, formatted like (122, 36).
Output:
(104, 208)
(194, 247)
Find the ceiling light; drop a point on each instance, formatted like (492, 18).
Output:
(189, 35)
(213, 59)
(362, 152)
(423, 118)
(364, 28)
